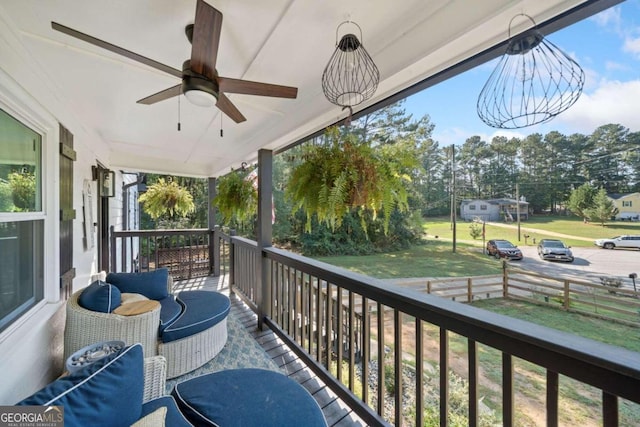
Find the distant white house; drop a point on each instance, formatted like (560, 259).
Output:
(493, 209)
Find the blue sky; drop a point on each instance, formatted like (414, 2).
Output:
(607, 47)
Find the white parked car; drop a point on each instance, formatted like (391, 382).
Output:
(626, 241)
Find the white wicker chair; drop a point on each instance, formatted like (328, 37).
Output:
(155, 378)
(85, 327)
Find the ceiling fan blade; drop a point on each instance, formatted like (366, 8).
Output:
(205, 40)
(116, 49)
(162, 95)
(226, 106)
(256, 88)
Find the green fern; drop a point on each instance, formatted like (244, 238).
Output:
(236, 199)
(167, 199)
(341, 174)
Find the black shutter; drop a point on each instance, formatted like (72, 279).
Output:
(67, 213)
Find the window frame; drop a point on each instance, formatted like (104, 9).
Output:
(23, 107)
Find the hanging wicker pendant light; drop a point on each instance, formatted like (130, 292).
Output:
(533, 82)
(351, 77)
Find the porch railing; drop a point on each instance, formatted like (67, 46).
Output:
(384, 349)
(186, 253)
(244, 259)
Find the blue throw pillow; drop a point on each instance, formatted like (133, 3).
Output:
(100, 296)
(106, 393)
(151, 284)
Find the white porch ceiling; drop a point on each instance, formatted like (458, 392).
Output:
(285, 42)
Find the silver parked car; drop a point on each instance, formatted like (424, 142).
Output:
(625, 241)
(554, 250)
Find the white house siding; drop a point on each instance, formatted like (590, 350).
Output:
(483, 210)
(31, 348)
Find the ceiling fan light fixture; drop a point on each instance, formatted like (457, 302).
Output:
(200, 98)
(199, 91)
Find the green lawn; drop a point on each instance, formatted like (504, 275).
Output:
(434, 259)
(546, 225)
(575, 397)
(578, 324)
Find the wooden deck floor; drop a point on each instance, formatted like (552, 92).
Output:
(336, 412)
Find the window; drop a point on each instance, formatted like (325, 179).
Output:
(21, 219)
(20, 166)
(472, 207)
(627, 203)
(483, 207)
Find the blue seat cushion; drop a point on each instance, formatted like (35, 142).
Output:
(174, 417)
(247, 397)
(106, 393)
(201, 310)
(151, 284)
(100, 296)
(170, 309)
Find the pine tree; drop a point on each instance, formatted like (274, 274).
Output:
(602, 209)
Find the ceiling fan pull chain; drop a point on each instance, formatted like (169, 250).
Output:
(178, 113)
(221, 132)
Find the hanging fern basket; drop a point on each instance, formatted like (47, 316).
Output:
(167, 199)
(236, 198)
(342, 174)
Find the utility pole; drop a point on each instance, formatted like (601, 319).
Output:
(518, 208)
(453, 194)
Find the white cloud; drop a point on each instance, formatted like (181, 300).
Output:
(507, 133)
(591, 79)
(458, 135)
(610, 18)
(616, 66)
(632, 46)
(450, 136)
(612, 102)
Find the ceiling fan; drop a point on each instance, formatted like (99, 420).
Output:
(201, 83)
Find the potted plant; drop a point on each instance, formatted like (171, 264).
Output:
(167, 199)
(343, 173)
(237, 198)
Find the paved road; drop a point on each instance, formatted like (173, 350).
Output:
(590, 263)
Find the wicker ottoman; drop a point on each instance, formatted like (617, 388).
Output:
(198, 334)
(247, 397)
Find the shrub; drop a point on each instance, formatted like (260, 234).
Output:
(23, 186)
(475, 230)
